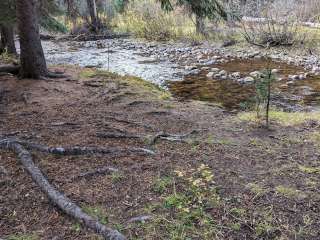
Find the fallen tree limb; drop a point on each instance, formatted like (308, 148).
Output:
(61, 201)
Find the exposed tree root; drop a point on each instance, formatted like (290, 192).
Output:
(139, 124)
(171, 137)
(65, 151)
(56, 75)
(154, 139)
(13, 69)
(64, 203)
(117, 135)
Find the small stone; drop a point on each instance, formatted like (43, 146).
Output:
(210, 75)
(210, 62)
(302, 77)
(315, 69)
(223, 72)
(255, 74)
(293, 77)
(189, 68)
(236, 75)
(275, 71)
(205, 68)
(248, 80)
(194, 72)
(215, 70)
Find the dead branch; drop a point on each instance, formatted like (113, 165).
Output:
(61, 201)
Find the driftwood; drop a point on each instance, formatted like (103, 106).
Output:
(61, 201)
(13, 69)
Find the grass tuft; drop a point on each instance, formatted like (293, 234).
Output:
(283, 118)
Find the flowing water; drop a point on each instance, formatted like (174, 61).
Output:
(119, 58)
(125, 58)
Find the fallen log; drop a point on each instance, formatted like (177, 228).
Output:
(60, 200)
(13, 69)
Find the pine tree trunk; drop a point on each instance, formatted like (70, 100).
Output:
(7, 39)
(33, 63)
(92, 7)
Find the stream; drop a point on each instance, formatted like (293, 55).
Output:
(197, 72)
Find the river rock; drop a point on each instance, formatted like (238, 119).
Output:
(274, 71)
(205, 68)
(255, 74)
(194, 72)
(302, 76)
(223, 72)
(210, 75)
(293, 77)
(236, 75)
(315, 69)
(190, 68)
(215, 70)
(247, 80)
(210, 62)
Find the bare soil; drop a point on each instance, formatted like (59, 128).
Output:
(283, 161)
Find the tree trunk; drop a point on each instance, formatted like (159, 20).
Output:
(7, 39)
(33, 63)
(92, 7)
(200, 27)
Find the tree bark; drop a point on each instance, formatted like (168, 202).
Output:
(92, 7)
(7, 39)
(33, 63)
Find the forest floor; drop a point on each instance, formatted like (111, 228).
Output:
(228, 179)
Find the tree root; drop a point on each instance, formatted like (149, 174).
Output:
(154, 139)
(117, 135)
(64, 203)
(67, 151)
(13, 69)
(171, 137)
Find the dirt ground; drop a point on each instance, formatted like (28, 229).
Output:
(267, 181)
